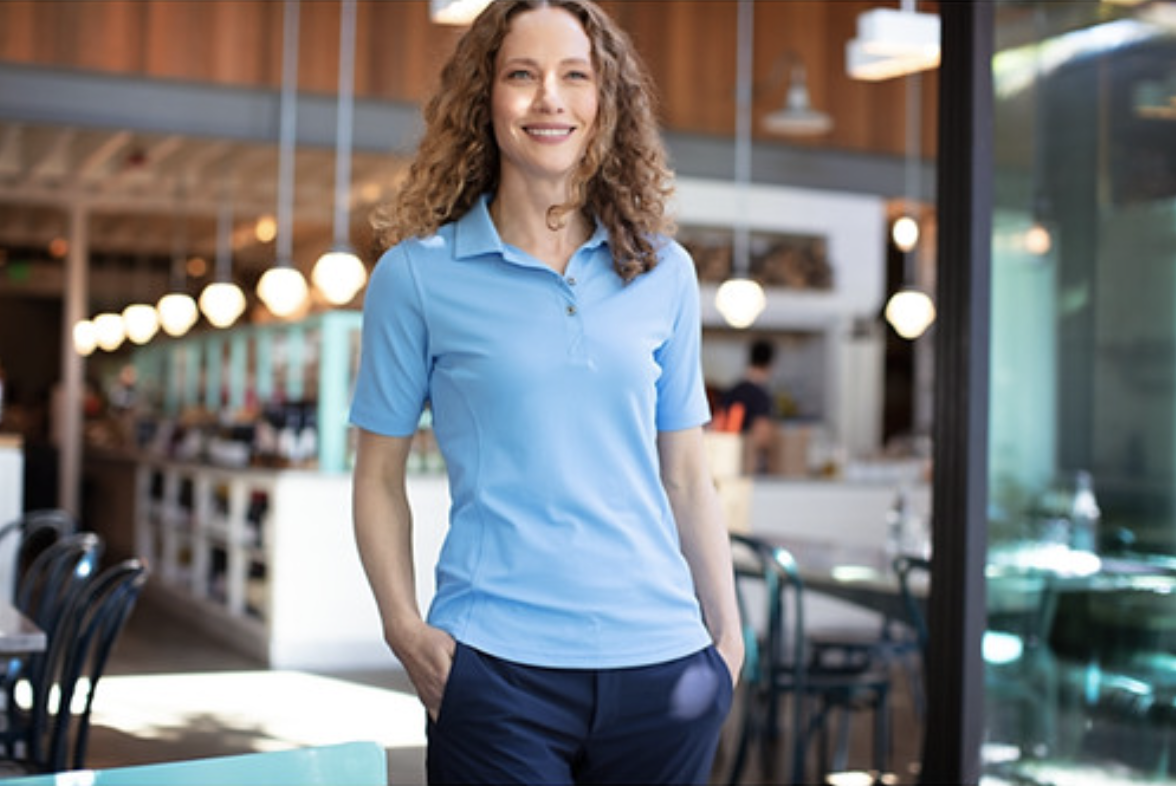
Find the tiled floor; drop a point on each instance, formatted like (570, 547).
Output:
(171, 693)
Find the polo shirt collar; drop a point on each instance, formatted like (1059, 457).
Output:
(475, 233)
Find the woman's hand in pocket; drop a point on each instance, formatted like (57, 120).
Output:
(427, 656)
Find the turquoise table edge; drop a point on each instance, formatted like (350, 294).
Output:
(343, 764)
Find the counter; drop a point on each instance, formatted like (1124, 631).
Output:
(265, 560)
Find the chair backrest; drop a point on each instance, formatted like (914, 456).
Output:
(55, 575)
(912, 570)
(88, 630)
(771, 600)
(341, 764)
(35, 530)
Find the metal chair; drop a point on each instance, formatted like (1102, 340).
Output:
(34, 531)
(49, 588)
(50, 728)
(781, 663)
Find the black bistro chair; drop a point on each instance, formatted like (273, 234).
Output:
(33, 532)
(782, 664)
(55, 724)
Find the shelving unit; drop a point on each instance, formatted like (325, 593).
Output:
(254, 366)
(266, 561)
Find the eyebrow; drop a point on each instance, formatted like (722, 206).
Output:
(579, 61)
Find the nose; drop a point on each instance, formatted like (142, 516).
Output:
(549, 98)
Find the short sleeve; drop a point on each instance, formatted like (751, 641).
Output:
(393, 380)
(681, 400)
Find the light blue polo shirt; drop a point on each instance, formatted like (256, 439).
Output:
(547, 393)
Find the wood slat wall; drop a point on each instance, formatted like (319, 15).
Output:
(689, 46)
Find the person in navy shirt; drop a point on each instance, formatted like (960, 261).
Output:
(584, 627)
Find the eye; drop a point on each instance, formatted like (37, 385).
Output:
(584, 75)
(518, 75)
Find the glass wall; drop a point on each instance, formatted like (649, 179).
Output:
(1080, 652)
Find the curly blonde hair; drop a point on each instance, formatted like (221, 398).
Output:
(623, 180)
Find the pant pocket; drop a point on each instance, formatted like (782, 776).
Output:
(452, 690)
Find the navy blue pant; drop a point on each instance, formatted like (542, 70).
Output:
(502, 722)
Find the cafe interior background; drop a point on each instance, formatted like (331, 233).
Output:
(160, 148)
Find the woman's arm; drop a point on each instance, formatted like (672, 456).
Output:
(703, 534)
(383, 532)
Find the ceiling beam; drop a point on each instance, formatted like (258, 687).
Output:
(52, 97)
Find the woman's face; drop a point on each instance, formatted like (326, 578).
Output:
(544, 98)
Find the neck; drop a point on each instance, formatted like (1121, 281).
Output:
(521, 218)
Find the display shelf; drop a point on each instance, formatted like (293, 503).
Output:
(293, 370)
(265, 559)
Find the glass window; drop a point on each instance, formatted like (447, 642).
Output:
(1080, 651)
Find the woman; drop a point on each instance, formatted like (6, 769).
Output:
(584, 628)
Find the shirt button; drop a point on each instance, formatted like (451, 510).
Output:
(571, 311)
(571, 281)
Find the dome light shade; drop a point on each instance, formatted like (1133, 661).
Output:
(905, 233)
(339, 275)
(910, 312)
(177, 313)
(110, 330)
(141, 322)
(222, 302)
(85, 337)
(1038, 240)
(455, 12)
(283, 290)
(740, 301)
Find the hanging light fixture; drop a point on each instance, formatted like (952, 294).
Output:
(140, 319)
(85, 337)
(893, 42)
(740, 299)
(282, 288)
(456, 12)
(910, 311)
(339, 274)
(177, 310)
(141, 322)
(109, 330)
(905, 230)
(797, 117)
(222, 301)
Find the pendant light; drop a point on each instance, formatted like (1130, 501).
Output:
(893, 42)
(140, 319)
(740, 299)
(339, 274)
(85, 337)
(109, 330)
(177, 310)
(910, 311)
(455, 12)
(222, 301)
(282, 288)
(141, 322)
(905, 230)
(797, 117)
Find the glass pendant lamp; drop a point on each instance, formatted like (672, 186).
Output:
(339, 274)
(222, 301)
(740, 299)
(283, 288)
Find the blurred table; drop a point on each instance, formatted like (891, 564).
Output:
(861, 575)
(18, 634)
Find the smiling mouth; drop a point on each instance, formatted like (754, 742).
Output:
(549, 132)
